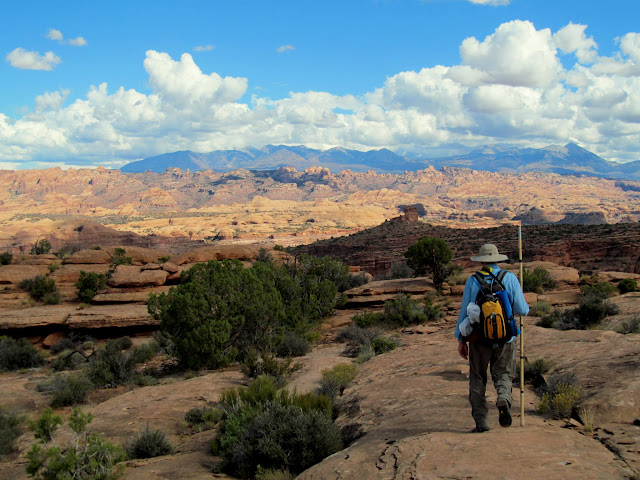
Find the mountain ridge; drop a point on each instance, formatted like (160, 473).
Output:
(570, 159)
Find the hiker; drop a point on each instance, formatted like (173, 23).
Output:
(481, 350)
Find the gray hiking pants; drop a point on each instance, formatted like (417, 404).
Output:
(502, 361)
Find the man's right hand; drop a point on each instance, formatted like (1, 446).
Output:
(463, 350)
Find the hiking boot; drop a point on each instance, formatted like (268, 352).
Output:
(480, 429)
(505, 413)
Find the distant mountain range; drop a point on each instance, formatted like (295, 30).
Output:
(568, 160)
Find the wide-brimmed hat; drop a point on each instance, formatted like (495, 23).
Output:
(489, 253)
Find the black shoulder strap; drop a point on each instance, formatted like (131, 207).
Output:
(499, 278)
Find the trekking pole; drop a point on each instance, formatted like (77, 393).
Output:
(521, 331)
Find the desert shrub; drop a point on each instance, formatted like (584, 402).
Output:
(534, 372)
(278, 248)
(164, 258)
(264, 256)
(42, 288)
(540, 309)
(257, 363)
(335, 380)
(293, 345)
(53, 267)
(164, 342)
(148, 444)
(591, 311)
(366, 319)
(72, 342)
(5, 258)
(400, 270)
(68, 360)
(273, 474)
(111, 366)
(382, 345)
(627, 285)
(404, 311)
(88, 456)
(365, 353)
(273, 429)
(537, 280)
(203, 418)
(41, 247)
(357, 338)
(119, 257)
(88, 285)
(67, 388)
(602, 290)
(10, 430)
(355, 280)
(630, 326)
(558, 402)
(66, 251)
(16, 354)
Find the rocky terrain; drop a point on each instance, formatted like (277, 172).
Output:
(174, 209)
(405, 416)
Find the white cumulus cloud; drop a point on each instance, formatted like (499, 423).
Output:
(572, 39)
(285, 48)
(29, 60)
(57, 35)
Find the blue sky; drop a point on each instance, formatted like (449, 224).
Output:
(88, 83)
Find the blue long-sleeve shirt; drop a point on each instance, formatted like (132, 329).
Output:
(512, 286)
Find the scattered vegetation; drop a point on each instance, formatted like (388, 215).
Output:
(203, 418)
(10, 430)
(400, 270)
(88, 456)
(540, 309)
(560, 396)
(274, 429)
(627, 285)
(119, 257)
(431, 255)
(404, 311)
(41, 247)
(16, 354)
(148, 444)
(164, 258)
(115, 364)
(537, 280)
(6, 258)
(256, 364)
(43, 289)
(66, 251)
(89, 284)
(591, 311)
(335, 380)
(630, 326)
(293, 345)
(67, 388)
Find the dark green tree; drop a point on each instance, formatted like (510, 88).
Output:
(431, 255)
(89, 283)
(218, 311)
(41, 247)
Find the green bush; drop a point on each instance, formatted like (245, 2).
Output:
(10, 430)
(203, 418)
(88, 285)
(16, 354)
(273, 474)
(601, 290)
(540, 309)
(382, 345)
(42, 288)
(559, 402)
(400, 270)
(630, 326)
(335, 380)
(537, 280)
(221, 309)
(111, 366)
(627, 285)
(88, 456)
(5, 258)
(119, 257)
(256, 364)
(293, 345)
(148, 444)
(273, 429)
(357, 339)
(41, 247)
(67, 388)
(591, 311)
(164, 258)
(67, 250)
(404, 311)
(366, 319)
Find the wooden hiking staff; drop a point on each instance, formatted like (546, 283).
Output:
(521, 331)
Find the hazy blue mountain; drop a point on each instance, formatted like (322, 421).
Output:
(570, 159)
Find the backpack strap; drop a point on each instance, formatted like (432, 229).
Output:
(498, 278)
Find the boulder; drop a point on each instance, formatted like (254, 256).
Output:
(14, 274)
(89, 256)
(134, 276)
(70, 272)
(140, 254)
(110, 316)
(615, 277)
(44, 259)
(126, 297)
(40, 316)
(171, 267)
(53, 339)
